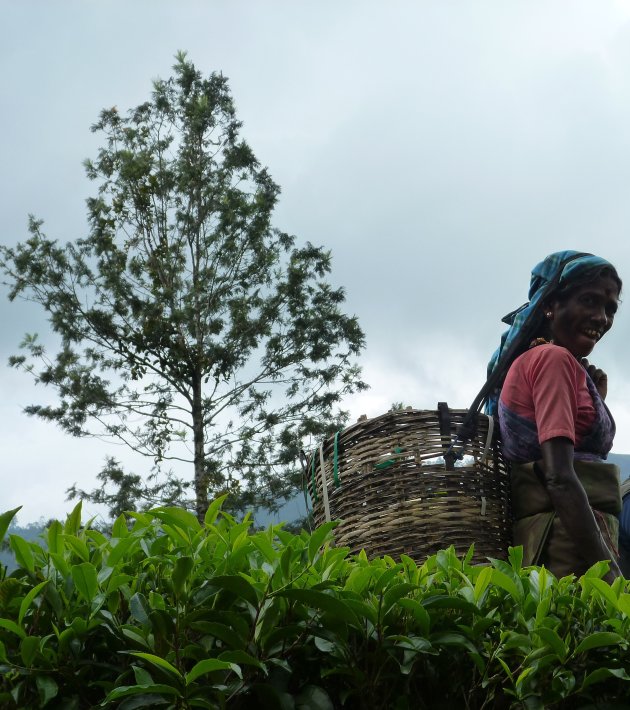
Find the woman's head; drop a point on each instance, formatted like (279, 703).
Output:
(582, 310)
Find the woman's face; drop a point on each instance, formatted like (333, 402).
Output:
(580, 320)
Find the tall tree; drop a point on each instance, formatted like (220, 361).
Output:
(190, 328)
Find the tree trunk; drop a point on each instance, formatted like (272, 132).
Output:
(201, 475)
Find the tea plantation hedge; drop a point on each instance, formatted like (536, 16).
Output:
(166, 612)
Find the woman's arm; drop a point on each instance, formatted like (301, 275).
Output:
(571, 504)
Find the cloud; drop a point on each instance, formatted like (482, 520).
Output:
(439, 149)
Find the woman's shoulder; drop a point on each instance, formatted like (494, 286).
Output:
(549, 357)
(548, 353)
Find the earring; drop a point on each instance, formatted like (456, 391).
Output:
(549, 315)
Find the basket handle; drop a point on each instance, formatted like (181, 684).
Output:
(486, 448)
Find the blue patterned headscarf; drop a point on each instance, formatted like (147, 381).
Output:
(560, 267)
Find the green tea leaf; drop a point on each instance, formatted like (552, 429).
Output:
(358, 579)
(599, 639)
(262, 543)
(319, 536)
(515, 557)
(394, 593)
(9, 588)
(385, 578)
(12, 627)
(142, 676)
(26, 602)
(78, 546)
(239, 656)
(483, 580)
(119, 528)
(209, 665)
(523, 642)
(324, 602)
(29, 646)
(603, 589)
(85, 579)
(181, 572)
(523, 677)
(5, 521)
(73, 521)
(125, 691)
(60, 564)
(237, 585)
(54, 537)
(213, 510)
(443, 601)
(139, 608)
(285, 562)
(314, 697)
(104, 574)
(551, 638)
(23, 552)
(418, 644)
(123, 548)
(505, 582)
(162, 624)
(96, 537)
(363, 610)
(419, 613)
(600, 674)
(47, 689)
(598, 570)
(449, 638)
(158, 662)
(179, 535)
(156, 600)
(178, 517)
(136, 638)
(220, 631)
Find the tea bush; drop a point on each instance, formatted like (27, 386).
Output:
(166, 612)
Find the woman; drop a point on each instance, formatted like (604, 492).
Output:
(555, 428)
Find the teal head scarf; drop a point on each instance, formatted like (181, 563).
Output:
(554, 271)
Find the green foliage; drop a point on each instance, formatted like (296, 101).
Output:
(170, 612)
(190, 328)
(121, 491)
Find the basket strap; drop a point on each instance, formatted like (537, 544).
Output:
(322, 470)
(486, 448)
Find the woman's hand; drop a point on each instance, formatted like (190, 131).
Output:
(599, 377)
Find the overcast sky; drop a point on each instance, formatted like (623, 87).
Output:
(439, 149)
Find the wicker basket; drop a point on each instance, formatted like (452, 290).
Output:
(387, 481)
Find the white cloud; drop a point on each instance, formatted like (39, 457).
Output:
(439, 148)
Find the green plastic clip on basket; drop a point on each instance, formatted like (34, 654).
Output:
(399, 485)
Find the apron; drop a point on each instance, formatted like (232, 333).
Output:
(536, 525)
(541, 533)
